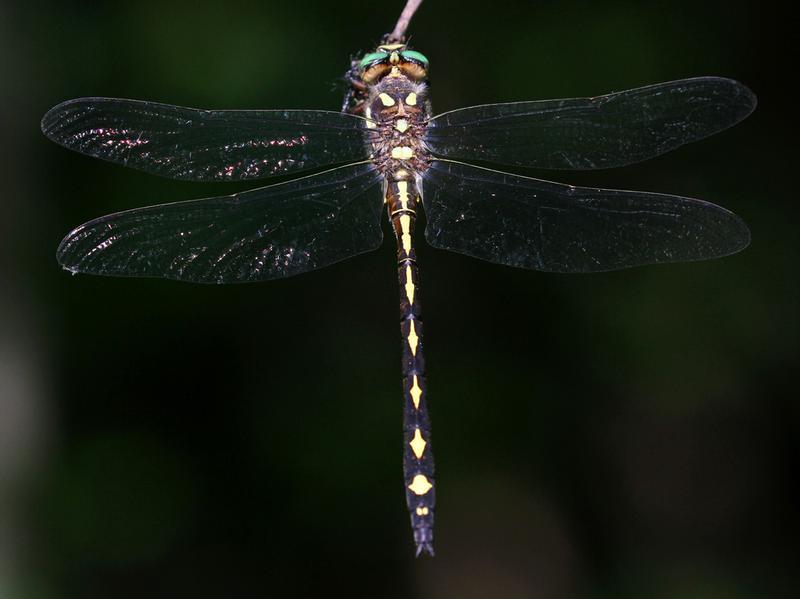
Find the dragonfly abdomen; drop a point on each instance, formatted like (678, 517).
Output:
(402, 197)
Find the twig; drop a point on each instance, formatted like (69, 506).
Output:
(399, 34)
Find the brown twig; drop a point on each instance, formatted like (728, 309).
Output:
(398, 35)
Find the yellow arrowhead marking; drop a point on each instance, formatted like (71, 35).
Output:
(413, 340)
(418, 444)
(409, 286)
(416, 393)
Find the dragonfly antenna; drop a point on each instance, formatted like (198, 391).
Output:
(399, 33)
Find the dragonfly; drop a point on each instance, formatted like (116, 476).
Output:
(386, 151)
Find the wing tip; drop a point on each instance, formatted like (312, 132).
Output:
(740, 95)
(746, 100)
(51, 118)
(62, 255)
(743, 239)
(55, 114)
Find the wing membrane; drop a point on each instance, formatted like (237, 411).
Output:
(592, 133)
(205, 145)
(267, 233)
(529, 223)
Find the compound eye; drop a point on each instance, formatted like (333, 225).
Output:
(372, 58)
(413, 56)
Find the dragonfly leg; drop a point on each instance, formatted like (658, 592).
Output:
(357, 91)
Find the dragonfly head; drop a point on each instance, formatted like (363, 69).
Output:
(393, 59)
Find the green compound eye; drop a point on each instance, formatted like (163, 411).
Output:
(372, 57)
(415, 56)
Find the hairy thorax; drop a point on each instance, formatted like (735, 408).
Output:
(398, 110)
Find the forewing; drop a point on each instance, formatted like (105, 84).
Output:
(592, 133)
(267, 233)
(529, 223)
(205, 145)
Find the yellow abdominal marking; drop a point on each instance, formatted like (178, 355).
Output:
(402, 192)
(411, 99)
(402, 153)
(420, 485)
(386, 99)
(394, 58)
(422, 511)
(413, 340)
(405, 228)
(416, 393)
(418, 444)
(401, 125)
(409, 286)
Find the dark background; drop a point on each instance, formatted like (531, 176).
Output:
(631, 434)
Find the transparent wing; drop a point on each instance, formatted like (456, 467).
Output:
(205, 145)
(267, 233)
(592, 133)
(529, 223)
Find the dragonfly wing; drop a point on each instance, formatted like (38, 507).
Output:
(592, 133)
(529, 223)
(267, 233)
(205, 145)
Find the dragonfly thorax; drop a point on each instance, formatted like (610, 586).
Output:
(398, 110)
